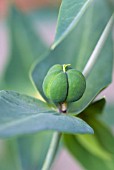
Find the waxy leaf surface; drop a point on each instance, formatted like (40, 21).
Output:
(69, 15)
(22, 114)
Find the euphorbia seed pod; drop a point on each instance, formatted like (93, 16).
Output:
(64, 84)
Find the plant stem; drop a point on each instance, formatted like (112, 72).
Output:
(98, 47)
(54, 143)
(52, 151)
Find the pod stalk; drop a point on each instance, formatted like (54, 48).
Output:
(65, 67)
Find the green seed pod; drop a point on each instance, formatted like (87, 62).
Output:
(64, 84)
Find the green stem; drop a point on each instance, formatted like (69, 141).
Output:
(52, 151)
(98, 47)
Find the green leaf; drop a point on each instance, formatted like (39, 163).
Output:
(9, 154)
(90, 115)
(102, 132)
(95, 109)
(76, 49)
(86, 158)
(26, 46)
(69, 15)
(108, 116)
(93, 151)
(29, 43)
(95, 148)
(22, 114)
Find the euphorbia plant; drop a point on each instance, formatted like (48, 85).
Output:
(92, 57)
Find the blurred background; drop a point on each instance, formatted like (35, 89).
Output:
(27, 30)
